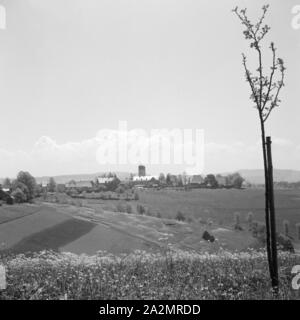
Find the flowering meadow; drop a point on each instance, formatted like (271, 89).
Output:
(172, 274)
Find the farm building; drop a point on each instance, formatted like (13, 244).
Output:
(222, 181)
(5, 196)
(84, 184)
(105, 180)
(145, 178)
(196, 180)
(60, 187)
(71, 184)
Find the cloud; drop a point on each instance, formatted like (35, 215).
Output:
(47, 157)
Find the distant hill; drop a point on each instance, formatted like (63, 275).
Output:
(257, 176)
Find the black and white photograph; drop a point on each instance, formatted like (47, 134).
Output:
(149, 151)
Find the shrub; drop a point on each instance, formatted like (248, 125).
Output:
(237, 221)
(259, 231)
(201, 221)
(120, 190)
(140, 209)
(190, 220)
(149, 212)
(180, 216)
(250, 220)
(128, 208)
(120, 207)
(286, 226)
(209, 222)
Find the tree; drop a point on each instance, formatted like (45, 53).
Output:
(236, 180)
(51, 185)
(19, 195)
(120, 190)
(210, 180)
(265, 89)
(180, 216)
(29, 181)
(6, 183)
(162, 179)
(113, 185)
(20, 185)
(168, 179)
(128, 208)
(140, 209)
(179, 181)
(136, 196)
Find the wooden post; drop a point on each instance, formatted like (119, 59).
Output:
(298, 230)
(275, 281)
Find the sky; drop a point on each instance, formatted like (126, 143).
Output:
(71, 68)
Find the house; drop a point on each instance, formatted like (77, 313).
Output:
(105, 180)
(84, 184)
(61, 187)
(196, 180)
(5, 196)
(222, 181)
(145, 178)
(70, 184)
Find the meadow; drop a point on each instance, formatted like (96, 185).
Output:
(89, 225)
(217, 205)
(221, 204)
(172, 274)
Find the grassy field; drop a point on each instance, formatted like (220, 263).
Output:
(66, 228)
(169, 275)
(220, 205)
(95, 225)
(9, 213)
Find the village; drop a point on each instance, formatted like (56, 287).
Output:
(11, 192)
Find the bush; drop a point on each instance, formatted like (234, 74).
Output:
(190, 220)
(19, 196)
(201, 221)
(286, 228)
(120, 207)
(237, 221)
(209, 222)
(29, 181)
(140, 209)
(259, 231)
(120, 190)
(149, 212)
(128, 208)
(180, 216)
(250, 220)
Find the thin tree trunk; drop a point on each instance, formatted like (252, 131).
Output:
(267, 207)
